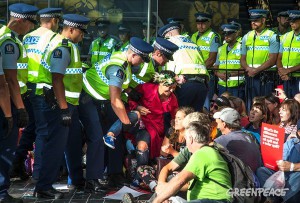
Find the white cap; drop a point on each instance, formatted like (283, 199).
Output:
(228, 115)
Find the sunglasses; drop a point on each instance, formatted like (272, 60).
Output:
(214, 105)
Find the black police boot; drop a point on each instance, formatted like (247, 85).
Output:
(48, 194)
(94, 186)
(18, 169)
(117, 180)
(10, 199)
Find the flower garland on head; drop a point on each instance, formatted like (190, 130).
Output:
(166, 78)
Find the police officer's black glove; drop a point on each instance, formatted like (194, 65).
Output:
(22, 118)
(134, 95)
(7, 126)
(66, 117)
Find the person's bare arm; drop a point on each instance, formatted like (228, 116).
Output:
(5, 97)
(211, 59)
(59, 90)
(14, 88)
(166, 170)
(117, 104)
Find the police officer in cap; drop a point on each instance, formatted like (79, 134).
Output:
(124, 35)
(152, 31)
(179, 21)
(103, 85)
(62, 73)
(104, 45)
(163, 52)
(283, 23)
(188, 63)
(259, 53)
(208, 42)
(234, 21)
(35, 44)
(22, 19)
(288, 58)
(229, 55)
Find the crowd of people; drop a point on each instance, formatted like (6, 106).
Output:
(167, 99)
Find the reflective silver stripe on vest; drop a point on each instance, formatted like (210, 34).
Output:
(255, 65)
(240, 78)
(21, 84)
(21, 66)
(144, 70)
(100, 53)
(139, 81)
(90, 89)
(41, 85)
(72, 94)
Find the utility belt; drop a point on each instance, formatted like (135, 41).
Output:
(50, 98)
(195, 78)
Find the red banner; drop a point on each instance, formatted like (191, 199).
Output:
(271, 142)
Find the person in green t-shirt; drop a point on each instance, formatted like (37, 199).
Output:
(205, 176)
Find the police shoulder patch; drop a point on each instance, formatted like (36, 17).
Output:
(57, 53)
(120, 74)
(9, 49)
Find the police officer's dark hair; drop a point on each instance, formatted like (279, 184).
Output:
(46, 20)
(199, 132)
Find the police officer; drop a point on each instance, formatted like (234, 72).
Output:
(288, 58)
(152, 31)
(234, 21)
(104, 45)
(189, 63)
(22, 19)
(103, 85)
(259, 53)
(163, 52)
(62, 74)
(179, 21)
(35, 44)
(124, 35)
(208, 42)
(283, 23)
(229, 55)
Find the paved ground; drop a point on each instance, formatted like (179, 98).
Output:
(24, 189)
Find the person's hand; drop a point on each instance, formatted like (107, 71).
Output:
(284, 77)
(22, 118)
(168, 149)
(283, 71)
(222, 76)
(251, 71)
(143, 110)
(283, 165)
(7, 126)
(66, 117)
(280, 93)
(180, 79)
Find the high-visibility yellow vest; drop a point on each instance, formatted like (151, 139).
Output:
(230, 60)
(102, 48)
(22, 72)
(291, 51)
(73, 77)
(35, 44)
(95, 82)
(258, 51)
(204, 41)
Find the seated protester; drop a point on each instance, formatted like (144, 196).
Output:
(206, 171)
(273, 103)
(258, 114)
(237, 142)
(291, 166)
(289, 115)
(240, 106)
(182, 156)
(156, 108)
(174, 140)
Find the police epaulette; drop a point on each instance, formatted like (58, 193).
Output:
(64, 42)
(125, 64)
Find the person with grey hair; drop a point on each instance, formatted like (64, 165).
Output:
(209, 179)
(237, 142)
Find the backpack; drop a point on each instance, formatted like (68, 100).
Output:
(241, 176)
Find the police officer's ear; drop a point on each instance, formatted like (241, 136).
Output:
(263, 20)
